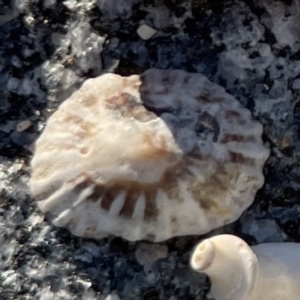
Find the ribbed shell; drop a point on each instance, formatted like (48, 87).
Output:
(163, 154)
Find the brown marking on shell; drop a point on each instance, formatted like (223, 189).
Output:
(131, 199)
(205, 96)
(89, 100)
(194, 155)
(186, 80)
(117, 101)
(239, 158)
(150, 195)
(129, 106)
(109, 197)
(209, 205)
(85, 127)
(85, 183)
(223, 173)
(231, 114)
(175, 224)
(151, 211)
(203, 99)
(84, 150)
(206, 193)
(50, 189)
(73, 119)
(166, 80)
(181, 171)
(154, 151)
(236, 138)
(98, 192)
(109, 192)
(135, 189)
(234, 115)
(142, 115)
(170, 183)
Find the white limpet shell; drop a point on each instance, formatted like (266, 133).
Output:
(152, 156)
(264, 272)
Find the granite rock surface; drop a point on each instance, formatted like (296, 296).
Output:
(48, 48)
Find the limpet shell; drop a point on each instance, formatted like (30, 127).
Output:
(151, 156)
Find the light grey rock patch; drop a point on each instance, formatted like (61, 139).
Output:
(147, 254)
(284, 22)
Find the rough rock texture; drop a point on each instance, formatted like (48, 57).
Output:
(150, 157)
(233, 42)
(116, 9)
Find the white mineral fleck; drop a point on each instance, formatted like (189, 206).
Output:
(23, 125)
(112, 297)
(35, 219)
(86, 47)
(146, 32)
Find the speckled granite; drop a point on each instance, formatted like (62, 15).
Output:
(48, 48)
